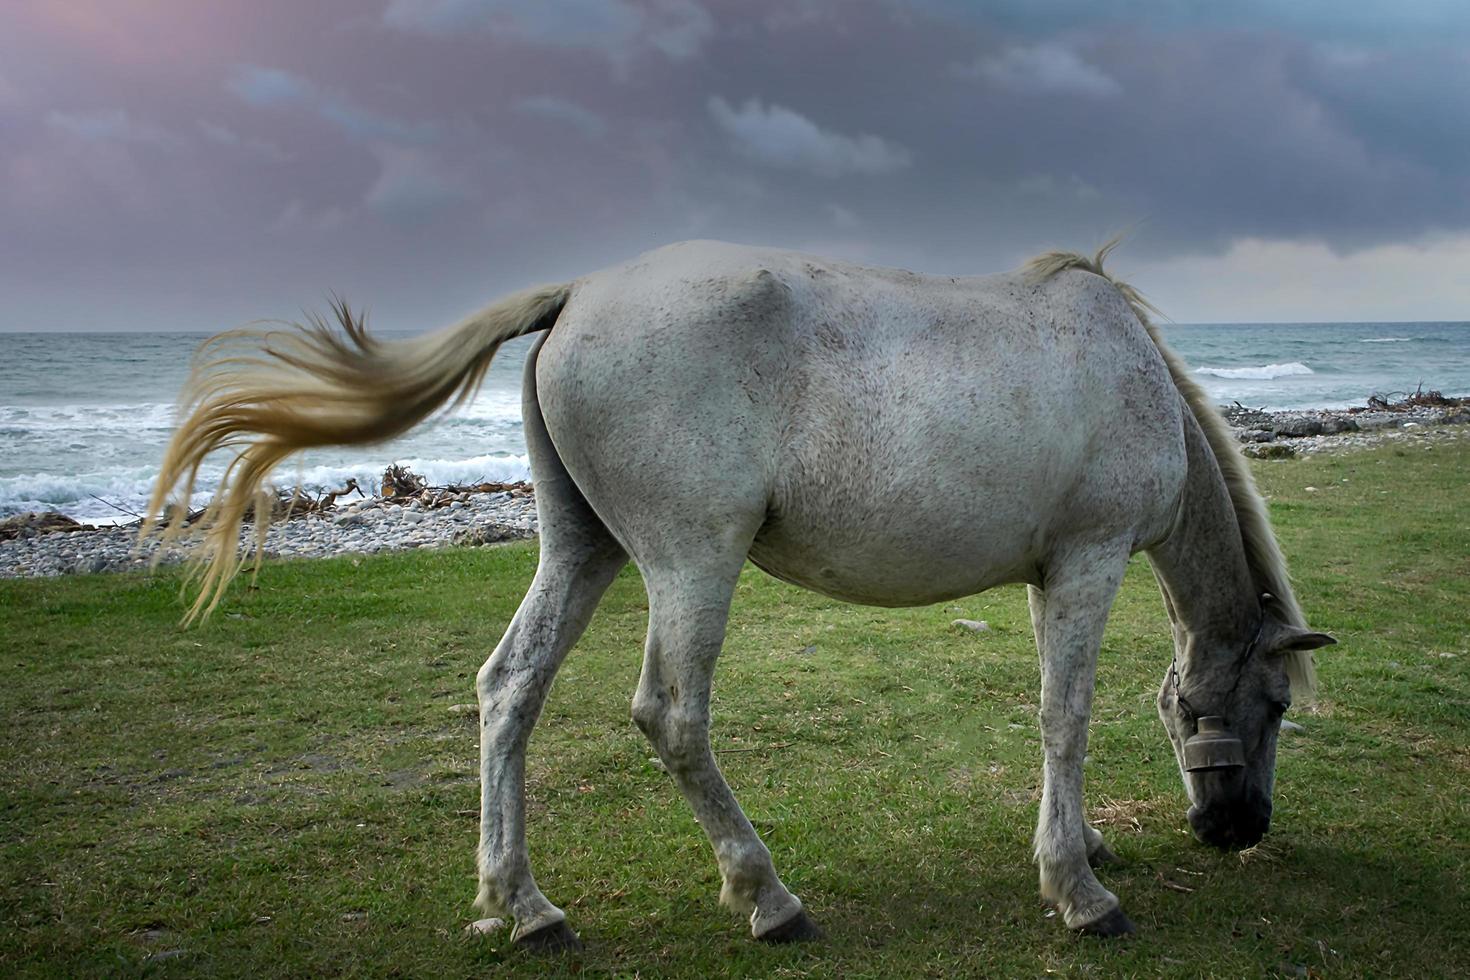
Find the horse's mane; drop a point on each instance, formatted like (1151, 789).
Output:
(1262, 554)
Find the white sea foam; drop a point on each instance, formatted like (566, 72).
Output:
(1265, 372)
(1387, 340)
(128, 488)
(488, 407)
(90, 418)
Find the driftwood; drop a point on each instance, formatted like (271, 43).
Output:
(400, 481)
(295, 501)
(1405, 401)
(399, 484)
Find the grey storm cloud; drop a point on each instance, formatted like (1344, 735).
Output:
(429, 153)
(272, 87)
(566, 112)
(779, 137)
(1050, 68)
(225, 136)
(1370, 20)
(412, 186)
(112, 124)
(677, 28)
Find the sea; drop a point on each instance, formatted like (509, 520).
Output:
(84, 417)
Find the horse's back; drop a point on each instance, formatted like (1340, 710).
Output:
(888, 437)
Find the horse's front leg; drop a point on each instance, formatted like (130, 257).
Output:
(1080, 586)
(512, 687)
(1098, 852)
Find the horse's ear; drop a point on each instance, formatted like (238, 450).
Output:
(1280, 637)
(1295, 639)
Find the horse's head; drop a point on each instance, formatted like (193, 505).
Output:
(1223, 715)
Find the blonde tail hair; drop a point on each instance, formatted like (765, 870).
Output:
(265, 394)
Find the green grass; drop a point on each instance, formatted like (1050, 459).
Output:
(285, 792)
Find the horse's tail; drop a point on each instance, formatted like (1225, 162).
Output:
(1263, 554)
(265, 393)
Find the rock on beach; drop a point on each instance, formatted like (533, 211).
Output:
(1310, 431)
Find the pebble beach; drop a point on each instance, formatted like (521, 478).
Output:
(358, 527)
(436, 519)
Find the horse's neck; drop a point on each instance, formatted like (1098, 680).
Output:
(1207, 584)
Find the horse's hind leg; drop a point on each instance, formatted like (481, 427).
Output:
(512, 687)
(1098, 852)
(579, 559)
(687, 612)
(1081, 583)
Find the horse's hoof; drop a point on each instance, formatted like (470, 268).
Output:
(1103, 856)
(797, 929)
(1115, 923)
(555, 938)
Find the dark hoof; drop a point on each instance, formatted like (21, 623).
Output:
(555, 938)
(797, 929)
(1115, 923)
(1103, 856)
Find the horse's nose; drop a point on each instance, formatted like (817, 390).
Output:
(1233, 828)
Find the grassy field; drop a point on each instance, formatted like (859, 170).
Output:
(287, 792)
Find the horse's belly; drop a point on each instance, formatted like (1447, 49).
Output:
(894, 562)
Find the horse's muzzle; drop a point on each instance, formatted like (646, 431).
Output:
(1230, 828)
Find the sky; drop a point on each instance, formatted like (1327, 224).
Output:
(178, 165)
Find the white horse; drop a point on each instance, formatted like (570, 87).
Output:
(875, 435)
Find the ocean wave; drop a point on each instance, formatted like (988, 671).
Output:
(1265, 372)
(19, 419)
(494, 407)
(1388, 340)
